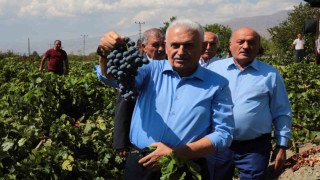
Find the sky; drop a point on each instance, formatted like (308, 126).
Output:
(76, 21)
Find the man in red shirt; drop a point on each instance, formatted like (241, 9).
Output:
(57, 57)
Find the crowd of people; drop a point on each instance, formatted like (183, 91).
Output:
(219, 113)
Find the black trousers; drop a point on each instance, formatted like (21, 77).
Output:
(135, 171)
(299, 55)
(251, 157)
(57, 72)
(122, 122)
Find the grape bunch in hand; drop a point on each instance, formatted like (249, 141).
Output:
(123, 63)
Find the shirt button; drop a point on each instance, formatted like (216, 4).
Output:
(177, 98)
(173, 113)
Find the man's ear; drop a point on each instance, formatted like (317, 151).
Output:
(143, 47)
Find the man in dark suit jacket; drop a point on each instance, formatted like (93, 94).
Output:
(154, 48)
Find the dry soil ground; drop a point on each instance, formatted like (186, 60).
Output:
(304, 172)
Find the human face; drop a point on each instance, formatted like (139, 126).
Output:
(57, 45)
(184, 48)
(211, 43)
(155, 48)
(244, 46)
(300, 36)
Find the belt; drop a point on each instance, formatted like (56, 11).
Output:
(133, 149)
(266, 136)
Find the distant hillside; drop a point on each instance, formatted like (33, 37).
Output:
(258, 23)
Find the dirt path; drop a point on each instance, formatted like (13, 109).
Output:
(303, 173)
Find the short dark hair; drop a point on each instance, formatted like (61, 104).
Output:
(56, 41)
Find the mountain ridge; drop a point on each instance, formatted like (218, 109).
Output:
(259, 23)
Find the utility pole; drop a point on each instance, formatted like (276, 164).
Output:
(316, 61)
(29, 46)
(139, 27)
(50, 45)
(84, 44)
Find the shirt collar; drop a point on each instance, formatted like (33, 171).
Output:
(199, 73)
(213, 58)
(254, 64)
(146, 55)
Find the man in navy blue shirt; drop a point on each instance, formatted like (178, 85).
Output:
(260, 102)
(178, 108)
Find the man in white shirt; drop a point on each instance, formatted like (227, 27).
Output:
(209, 56)
(298, 45)
(318, 50)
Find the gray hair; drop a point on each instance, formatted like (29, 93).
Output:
(215, 35)
(189, 24)
(217, 39)
(153, 32)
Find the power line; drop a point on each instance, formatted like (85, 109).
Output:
(84, 44)
(139, 27)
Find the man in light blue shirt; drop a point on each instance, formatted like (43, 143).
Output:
(260, 102)
(211, 41)
(179, 108)
(154, 49)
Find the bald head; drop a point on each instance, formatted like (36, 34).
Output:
(211, 43)
(244, 46)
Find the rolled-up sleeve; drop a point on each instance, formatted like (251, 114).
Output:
(281, 112)
(222, 120)
(109, 81)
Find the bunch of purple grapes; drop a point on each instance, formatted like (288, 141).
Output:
(123, 63)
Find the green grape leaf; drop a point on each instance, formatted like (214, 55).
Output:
(7, 145)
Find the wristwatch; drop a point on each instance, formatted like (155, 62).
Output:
(100, 53)
(281, 147)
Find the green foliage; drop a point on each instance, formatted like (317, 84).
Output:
(302, 82)
(224, 34)
(277, 60)
(92, 57)
(8, 54)
(39, 138)
(286, 32)
(73, 57)
(35, 55)
(173, 166)
(269, 47)
(166, 24)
